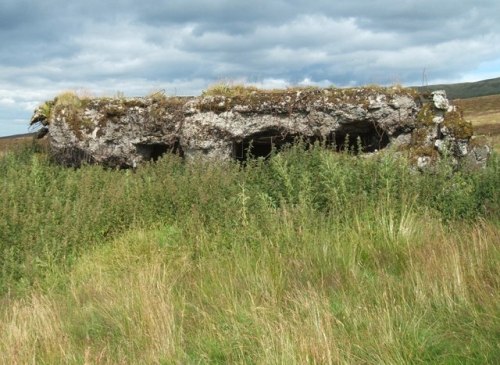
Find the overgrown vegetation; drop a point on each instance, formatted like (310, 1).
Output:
(309, 257)
(70, 106)
(226, 96)
(229, 90)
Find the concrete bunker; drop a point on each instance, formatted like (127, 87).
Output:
(254, 122)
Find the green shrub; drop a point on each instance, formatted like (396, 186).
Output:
(309, 257)
(50, 214)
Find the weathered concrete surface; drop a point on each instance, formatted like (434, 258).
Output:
(125, 132)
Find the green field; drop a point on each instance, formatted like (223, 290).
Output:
(310, 257)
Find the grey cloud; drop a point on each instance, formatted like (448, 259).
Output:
(134, 46)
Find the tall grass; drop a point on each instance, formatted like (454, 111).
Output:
(310, 257)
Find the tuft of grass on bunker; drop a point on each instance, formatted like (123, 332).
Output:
(309, 257)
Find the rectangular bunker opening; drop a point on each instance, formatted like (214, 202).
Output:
(359, 138)
(154, 151)
(263, 143)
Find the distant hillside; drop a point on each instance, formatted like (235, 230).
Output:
(15, 136)
(466, 90)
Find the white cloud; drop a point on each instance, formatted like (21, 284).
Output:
(7, 101)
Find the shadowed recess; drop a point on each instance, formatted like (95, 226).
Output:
(263, 143)
(360, 137)
(154, 151)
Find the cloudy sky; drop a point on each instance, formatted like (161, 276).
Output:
(105, 47)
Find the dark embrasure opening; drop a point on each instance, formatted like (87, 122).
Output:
(262, 144)
(360, 137)
(154, 151)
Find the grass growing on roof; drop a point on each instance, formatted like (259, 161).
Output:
(223, 97)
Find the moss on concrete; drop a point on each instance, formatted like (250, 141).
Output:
(69, 106)
(419, 136)
(163, 106)
(222, 98)
(457, 125)
(426, 115)
(414, 152)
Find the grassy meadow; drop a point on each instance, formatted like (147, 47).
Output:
(311, 257)
(484, 113)
(8, 144)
